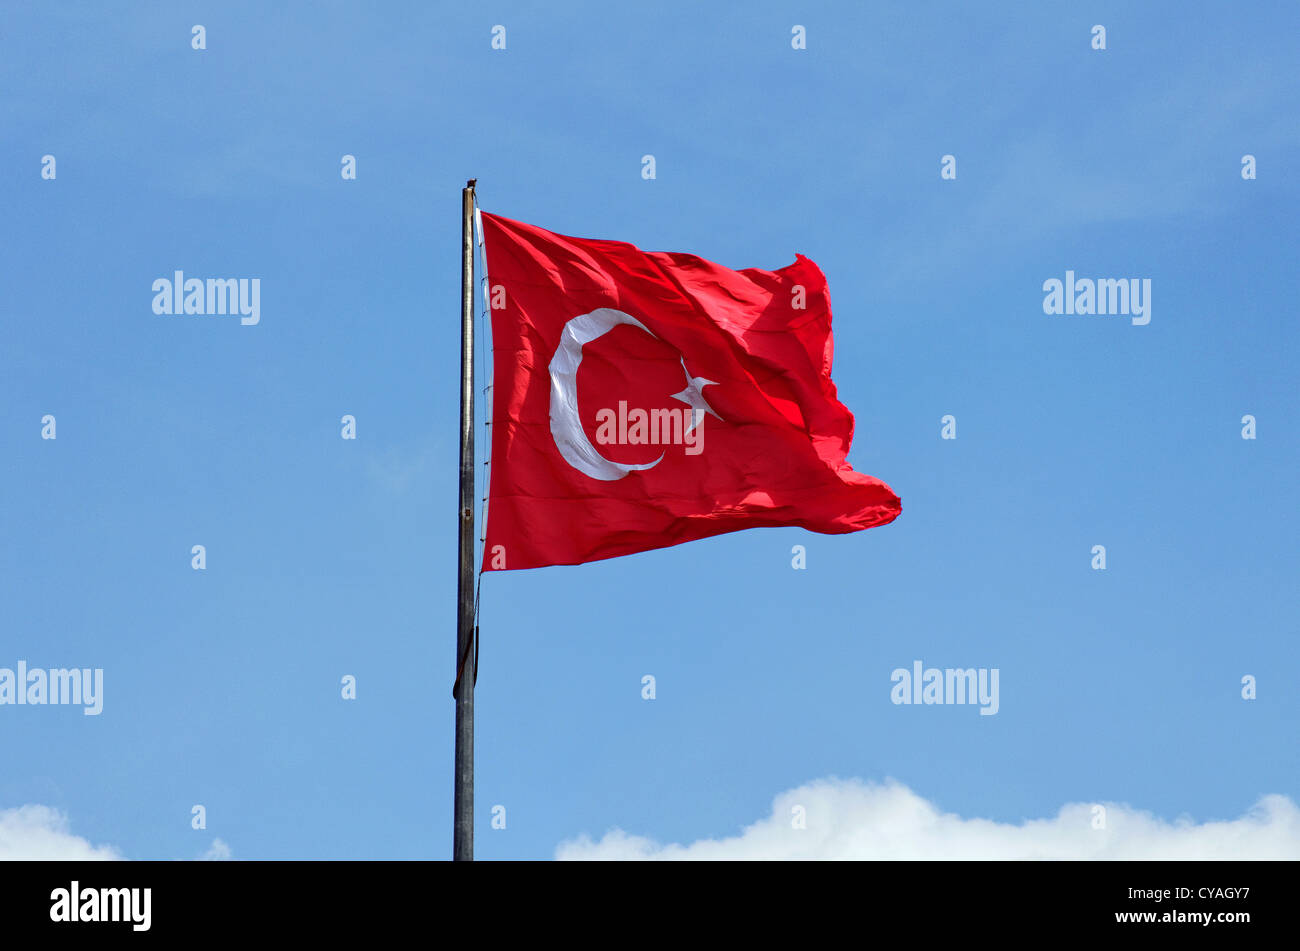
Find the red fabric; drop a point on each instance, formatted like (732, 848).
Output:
(776, 456)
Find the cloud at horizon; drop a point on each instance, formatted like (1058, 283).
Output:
(852, 819)
(35, 832)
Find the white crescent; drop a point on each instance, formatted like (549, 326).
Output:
(566, 426)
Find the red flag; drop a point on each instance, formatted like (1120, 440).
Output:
(644, 399)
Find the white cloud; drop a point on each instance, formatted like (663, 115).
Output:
(218, 851)
(849, 819)
(39, 832)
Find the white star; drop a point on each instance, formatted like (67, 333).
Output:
(693, 396)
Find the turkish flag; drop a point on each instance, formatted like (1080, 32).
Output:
(644, 399)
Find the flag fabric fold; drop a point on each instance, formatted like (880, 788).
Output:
(645, 399)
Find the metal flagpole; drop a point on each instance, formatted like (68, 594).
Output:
(463, 806)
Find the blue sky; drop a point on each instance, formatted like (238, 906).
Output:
(328, 557)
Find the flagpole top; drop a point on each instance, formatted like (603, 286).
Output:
(471, 183)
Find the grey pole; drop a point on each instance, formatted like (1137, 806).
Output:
(463, 806)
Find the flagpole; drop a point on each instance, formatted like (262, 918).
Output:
(466, 664)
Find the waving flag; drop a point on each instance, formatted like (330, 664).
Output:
(644, 399)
